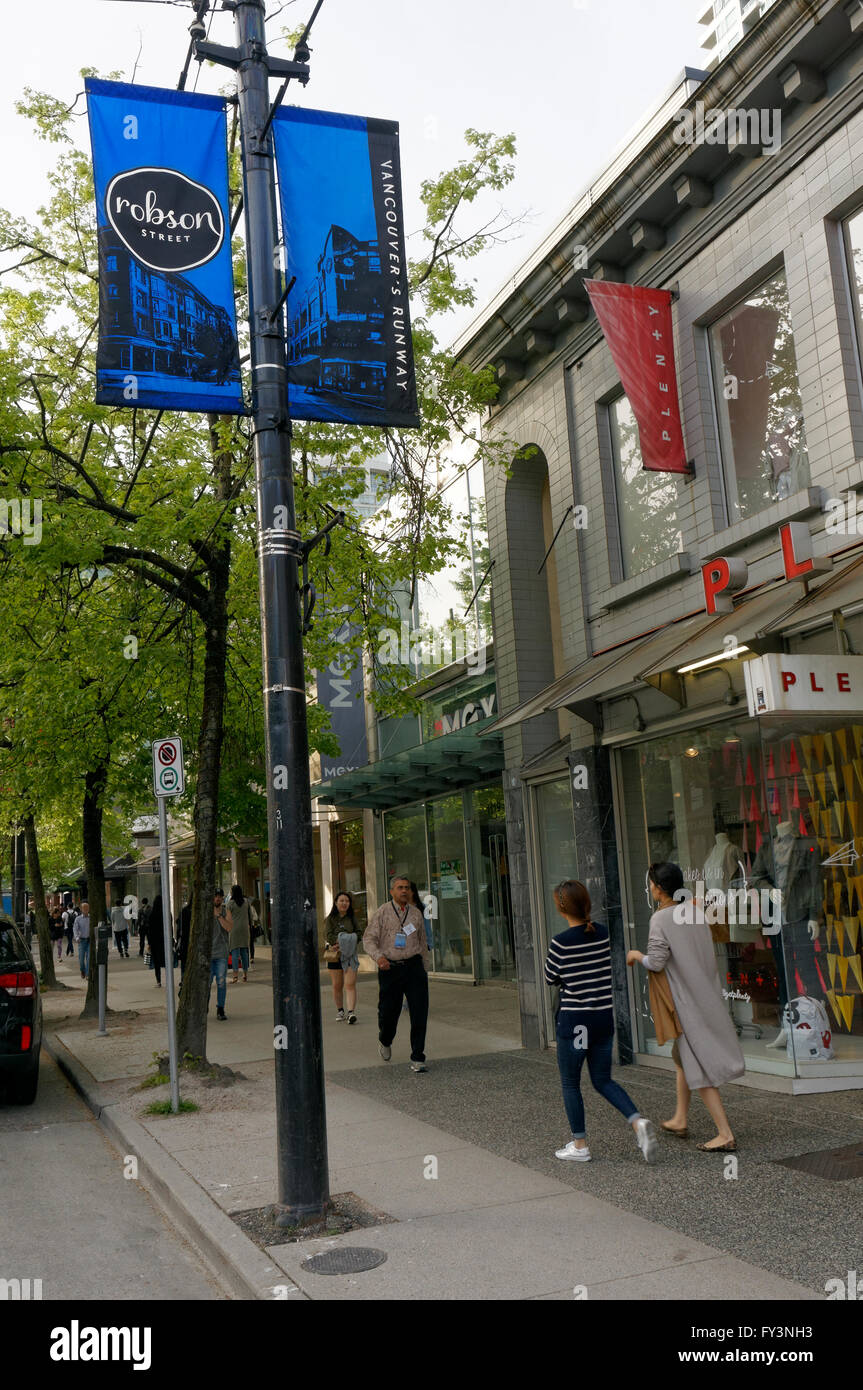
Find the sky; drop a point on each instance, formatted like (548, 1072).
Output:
(569, 77)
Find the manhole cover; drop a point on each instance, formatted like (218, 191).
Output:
(347, 1259)
(832, 1164)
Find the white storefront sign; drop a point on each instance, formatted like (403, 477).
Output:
(777, 683)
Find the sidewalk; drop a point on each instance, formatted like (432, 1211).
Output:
(502, 1218)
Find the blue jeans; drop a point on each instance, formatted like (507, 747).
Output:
(240, 953)
(219, 973)
(570, 1060)
(84, 956)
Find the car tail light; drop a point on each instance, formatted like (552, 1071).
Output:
(26, 1036)
(21, 984)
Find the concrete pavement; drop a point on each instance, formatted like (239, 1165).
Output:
(468, 1220)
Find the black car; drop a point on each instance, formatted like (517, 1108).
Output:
(20, 1017)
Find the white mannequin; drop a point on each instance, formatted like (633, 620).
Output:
(784, 831)
(721, 866)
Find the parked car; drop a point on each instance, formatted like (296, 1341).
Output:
(20, 1017)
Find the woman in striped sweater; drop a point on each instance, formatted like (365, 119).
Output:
(579, 961)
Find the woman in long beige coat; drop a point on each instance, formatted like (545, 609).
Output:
(707, 1054)
(241, 922)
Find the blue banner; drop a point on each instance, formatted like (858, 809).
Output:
(350, 356)
(167, 323)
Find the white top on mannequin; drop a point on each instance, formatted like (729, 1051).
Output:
(721, 865)
(784, 828)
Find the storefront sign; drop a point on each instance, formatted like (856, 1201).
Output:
(636, 322)
(778, 683)
(723, 577)
(481, 708)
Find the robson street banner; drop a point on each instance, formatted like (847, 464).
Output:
(636, 322)
(350, 356)
(167, 323)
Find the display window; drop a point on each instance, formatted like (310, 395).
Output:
(766, 823)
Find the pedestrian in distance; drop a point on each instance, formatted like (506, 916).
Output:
(707, 1052)
(120, 928)
(579, 961)
(143, 919)
(219, 954)
(342, 955)
(396, 941)
(184, 926)
(57, 930)
(82, 937)
(154, 933)
(241, 926)
(69, 925)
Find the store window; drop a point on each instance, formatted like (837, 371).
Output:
(454, 848)
(854, 252)
(758, 401)
(747, 809)
(350, 865)
(646, 501)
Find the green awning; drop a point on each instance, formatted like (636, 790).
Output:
(441, 765)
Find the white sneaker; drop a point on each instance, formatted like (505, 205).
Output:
(645, 1137)
(340, 1015)
(780, 1040)
(386, 1052)
(571, 1152)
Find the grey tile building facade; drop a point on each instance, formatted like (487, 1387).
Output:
(757, 237)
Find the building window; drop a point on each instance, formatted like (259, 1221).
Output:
(113, 292)
(646, 501)
(854, 251)
(758, 401)
(110, 262)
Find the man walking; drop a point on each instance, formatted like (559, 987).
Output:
(219, 954)
(82, 936)
(120, 927)
(395, 939)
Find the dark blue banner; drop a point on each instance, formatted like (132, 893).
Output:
(350, 356)
(167, 324)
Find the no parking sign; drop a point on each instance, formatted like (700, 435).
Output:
(169, 775)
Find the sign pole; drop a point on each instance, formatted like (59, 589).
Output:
(303, 1185)
(169, 779)
(169, 954)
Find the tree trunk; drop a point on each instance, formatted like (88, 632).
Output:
(195, 991)
(46, 950)
(94, 867)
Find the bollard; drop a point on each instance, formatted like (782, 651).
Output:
(103, 936)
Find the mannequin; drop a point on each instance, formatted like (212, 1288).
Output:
(796, 871)
(721, 866)
(724, 870)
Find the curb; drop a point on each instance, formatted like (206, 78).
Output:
(237, 1264)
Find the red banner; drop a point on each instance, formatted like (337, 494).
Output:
(637, 325)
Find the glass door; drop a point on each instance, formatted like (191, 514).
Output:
(453, 951)
(489, 877)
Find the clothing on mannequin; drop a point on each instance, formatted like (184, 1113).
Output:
(791, 863)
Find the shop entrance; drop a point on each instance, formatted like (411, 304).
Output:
(454, 848)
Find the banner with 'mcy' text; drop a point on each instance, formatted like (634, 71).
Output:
(350, 356)
(167, 323)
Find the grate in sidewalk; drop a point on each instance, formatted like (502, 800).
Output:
(834, 1165)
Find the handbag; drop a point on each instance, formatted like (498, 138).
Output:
(332, 953)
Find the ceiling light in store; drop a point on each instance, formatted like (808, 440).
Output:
(732, 738)
(692, 752)
(709, 660)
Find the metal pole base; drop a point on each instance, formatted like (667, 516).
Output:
(289, 1218)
